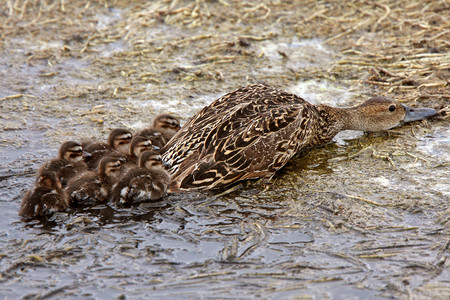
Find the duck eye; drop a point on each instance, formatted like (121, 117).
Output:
(392, 108)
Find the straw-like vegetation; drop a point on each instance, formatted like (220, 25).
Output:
(389, 47)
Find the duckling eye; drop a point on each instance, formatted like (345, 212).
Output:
(392, 108)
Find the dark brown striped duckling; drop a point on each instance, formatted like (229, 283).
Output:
(138, 145)
(153, 135)
(68, 164)
(45, 198)
(167, 125)
(146, 182)
(94, 187)
(255, 130)
(118, 141)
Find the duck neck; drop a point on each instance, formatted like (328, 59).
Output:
(332, 120)
(354, 118)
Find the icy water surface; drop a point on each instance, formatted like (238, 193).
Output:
(362, 218)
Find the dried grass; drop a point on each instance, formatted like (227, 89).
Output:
(394, 48)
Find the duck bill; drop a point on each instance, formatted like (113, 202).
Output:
(86, 155)
(417, 114)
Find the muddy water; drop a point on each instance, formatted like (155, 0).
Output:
(362, 218)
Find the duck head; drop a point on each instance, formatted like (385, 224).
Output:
(139, 144)
(381, 114)
(109, 167)
(49, 179)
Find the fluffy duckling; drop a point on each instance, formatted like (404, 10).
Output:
(147, 181)
(92, 187)
(138, 145)
(165, 124)
(68, 164)
(46, 198)
(118, 141)
(153, 135)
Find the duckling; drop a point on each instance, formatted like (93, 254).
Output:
(46, 198)
(153, 135)
(147, 181)
(254, 131)
(93, 187)
(165, 124)
(68, 164)
(118, 140)
(138, 145)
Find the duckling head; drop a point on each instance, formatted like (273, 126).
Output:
(139, 144)
(381, 114)
(49, 179)
(71, 151)
(120, 139)
(165, 121)
(151, 160)
(109, 167)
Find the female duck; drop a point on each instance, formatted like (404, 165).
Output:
(254, 131)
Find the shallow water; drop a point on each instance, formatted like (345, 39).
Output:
(362, 218)
(292, 239)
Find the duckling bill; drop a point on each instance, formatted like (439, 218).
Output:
(254, 131)
(417, 114)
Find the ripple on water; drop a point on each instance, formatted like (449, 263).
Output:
(436, 143)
